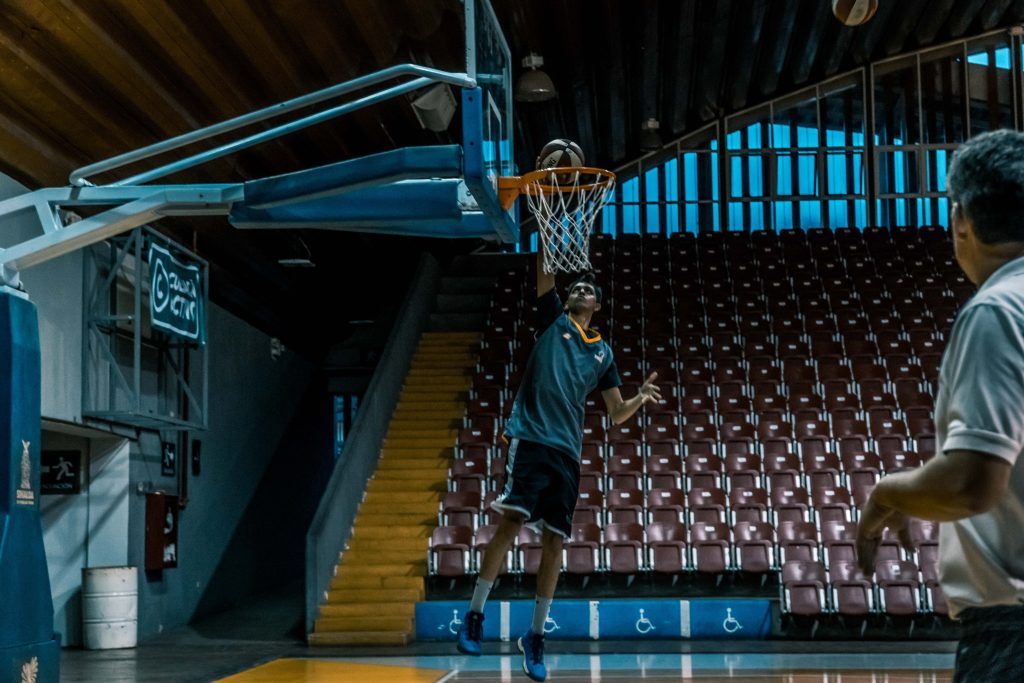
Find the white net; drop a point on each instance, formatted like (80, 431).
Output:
(566, 204)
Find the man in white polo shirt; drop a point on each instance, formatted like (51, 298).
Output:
(975, 483)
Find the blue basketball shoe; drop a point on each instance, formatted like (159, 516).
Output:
(532, 647)
(471, 633)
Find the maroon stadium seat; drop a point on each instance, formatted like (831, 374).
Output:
(450, 550)
(624, 548)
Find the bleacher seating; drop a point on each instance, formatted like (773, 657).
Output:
(796, 368)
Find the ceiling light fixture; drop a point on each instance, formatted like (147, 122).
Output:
(298, 261)
(534, 85)
(650, 140)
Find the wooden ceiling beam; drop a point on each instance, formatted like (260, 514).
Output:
(713, 26)
(933, 20)
(779, 34)
(677, 76)
(992, 13)
(88, 41)
(962, 19)
(902, 25)
(615, 75)
(748, 31)
(812, 40)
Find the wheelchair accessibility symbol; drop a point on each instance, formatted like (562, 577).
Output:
(731, 623)
(550, 625)
(454, 624)
(643, 624)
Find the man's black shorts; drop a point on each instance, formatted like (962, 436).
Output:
(543, 484)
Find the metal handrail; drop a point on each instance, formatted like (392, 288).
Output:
(426, 77)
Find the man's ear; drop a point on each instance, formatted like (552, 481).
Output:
(597, 307)
(960, 225)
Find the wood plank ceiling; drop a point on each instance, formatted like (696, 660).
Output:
(82, 80)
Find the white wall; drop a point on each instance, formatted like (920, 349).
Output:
(88, 529)
(252, 399)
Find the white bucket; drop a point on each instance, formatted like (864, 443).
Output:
(110, 607)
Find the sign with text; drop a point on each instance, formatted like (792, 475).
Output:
(61, 472)
(176, 295)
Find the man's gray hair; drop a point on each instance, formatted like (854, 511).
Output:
(986, 178)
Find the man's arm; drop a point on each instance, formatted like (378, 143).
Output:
(620, 410)
(545, 281)
(948, 487)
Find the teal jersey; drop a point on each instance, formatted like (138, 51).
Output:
(566, 364)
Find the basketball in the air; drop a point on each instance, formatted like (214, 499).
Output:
(854, 12)
(560, 153)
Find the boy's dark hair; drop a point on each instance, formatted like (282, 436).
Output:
(588, 278)
(986, 178)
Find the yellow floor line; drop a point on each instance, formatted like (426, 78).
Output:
(322, 671)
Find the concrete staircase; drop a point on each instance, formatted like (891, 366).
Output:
(379, 578)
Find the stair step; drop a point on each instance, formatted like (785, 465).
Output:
(386, 609)
(421, 404)
(385, 543)
(380, 505)
(402, 488)
(360, 623)
(356, 581)
(426, 466)
(424, 497)
(346, 596)
(421, 442)
(433, 370)
(430, 434)
(391, 532)
(414, 477)
(391, 569)
(363, 638)
(397, 519)
(427, 453)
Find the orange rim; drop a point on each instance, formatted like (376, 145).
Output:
(510, 187)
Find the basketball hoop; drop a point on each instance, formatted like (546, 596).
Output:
(566, 202)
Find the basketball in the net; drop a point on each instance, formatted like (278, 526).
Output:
(560, 153)
(854, 12)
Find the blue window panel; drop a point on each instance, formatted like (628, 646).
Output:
(672, 180)
(901, 212)
(1002, 58)
(806, 175)
(784, 172)
(736, 176)
(631, 190)
(943, 215)
(756, 218)
(690, 176)
(754, 136)
(671, 218)
(733, 140)
(608, 218)
(630, 219)
(756, 177)
(810, 214)
(533, 242)
(783, 217)
(653, 225)
(691, 217)
(860, 213)
(735, 215)
(837, 217)
(806, 136)
(780, 135)
(714, 172)
(651, 191)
